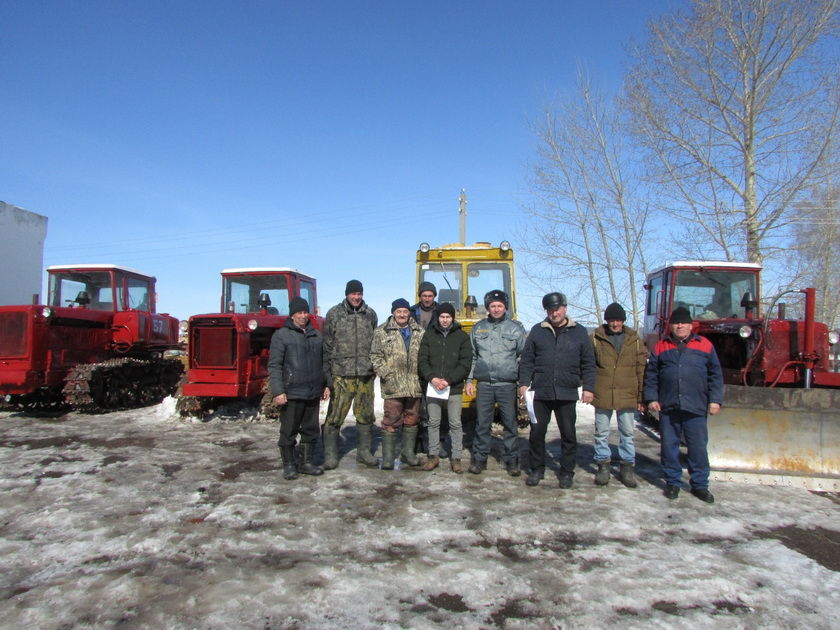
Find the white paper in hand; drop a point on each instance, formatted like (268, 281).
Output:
(431, 392)
(529, 403)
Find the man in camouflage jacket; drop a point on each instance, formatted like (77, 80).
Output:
(394, 352)
(348, 334)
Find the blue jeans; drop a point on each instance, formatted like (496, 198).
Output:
(487, 395)
(673, 425)
(626, 424)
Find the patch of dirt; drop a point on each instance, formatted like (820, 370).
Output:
(446, 601)
(262, 464)
(820, 544)
(513, 610)
(74, 441)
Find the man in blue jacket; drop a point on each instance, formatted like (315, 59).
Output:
(557, 360)
(684, 383)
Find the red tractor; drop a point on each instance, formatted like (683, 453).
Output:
(781, 412)
(228, 351)
(96, 345)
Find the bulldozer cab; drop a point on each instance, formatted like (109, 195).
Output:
(100, 288)
(245, 290)
(709, 290)
(462, 275)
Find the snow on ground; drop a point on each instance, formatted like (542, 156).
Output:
(140, 519)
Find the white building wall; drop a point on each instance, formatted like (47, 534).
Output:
(22, 235)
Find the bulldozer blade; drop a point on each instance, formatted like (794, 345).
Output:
(777, 436)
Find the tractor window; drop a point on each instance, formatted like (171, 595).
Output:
(138, 294)
(65, 288)
(243, 292)
(654, 304)
(484, 277)
(713, 294)
(307, 292)
(447, 279)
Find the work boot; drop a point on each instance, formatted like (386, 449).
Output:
(432, 462)
(627, 475)
(703, 494)
(602, 477)
(476, 467)
(330, 439)
(566, 480)
(512, 467)
(671, 492)
(364, 438)
(306, 466)
(534, 477)
(455, 465)
(389, 443)
(287, 458)
(409, 442)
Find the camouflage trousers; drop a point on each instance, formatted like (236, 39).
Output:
(347, 391)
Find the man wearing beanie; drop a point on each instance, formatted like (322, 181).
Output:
(557, 360)
(299, 381)
(444, 362)
(684, 384)
(497, 343)
(348, 334)
(425, 311)
(620, 359)
(393, 354)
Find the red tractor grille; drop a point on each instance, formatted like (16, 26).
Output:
(13, 334)
(214, 347)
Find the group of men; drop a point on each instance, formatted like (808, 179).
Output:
(426, 363)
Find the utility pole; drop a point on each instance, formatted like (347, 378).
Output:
(462, 211)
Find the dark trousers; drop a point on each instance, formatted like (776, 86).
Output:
(565, 415)
(673, 426)
(299, 416)
(486, 399)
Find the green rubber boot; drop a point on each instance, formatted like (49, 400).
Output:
(364, 438)
(409, 442)
(330, 438)
(389, 443)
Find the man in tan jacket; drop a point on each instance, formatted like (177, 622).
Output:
(393, 353)
(620, 359)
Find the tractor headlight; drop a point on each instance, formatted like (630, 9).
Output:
(46, 312)
(833, 337)
(504, 246)
(252, 324)
(183, 326)
(424, 247)
(745, 331)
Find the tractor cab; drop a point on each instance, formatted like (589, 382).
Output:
(462, 275)
(228, 351)
(100, 288)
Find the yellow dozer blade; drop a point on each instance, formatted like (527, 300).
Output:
(777, 436)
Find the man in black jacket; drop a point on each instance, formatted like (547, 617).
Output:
(557, 359)
(299, 381)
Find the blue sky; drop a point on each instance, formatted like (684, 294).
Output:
(181, 138)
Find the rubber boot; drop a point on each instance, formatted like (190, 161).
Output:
(330, 438)
(389, 443)
(627, 475)
(476, 467)
(602, 477)
(409, 441)
(364, 438)
(306, 466)
(287, 457)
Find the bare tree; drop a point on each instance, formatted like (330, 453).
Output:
(737, 105)
(584, 232)
(817, 242)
